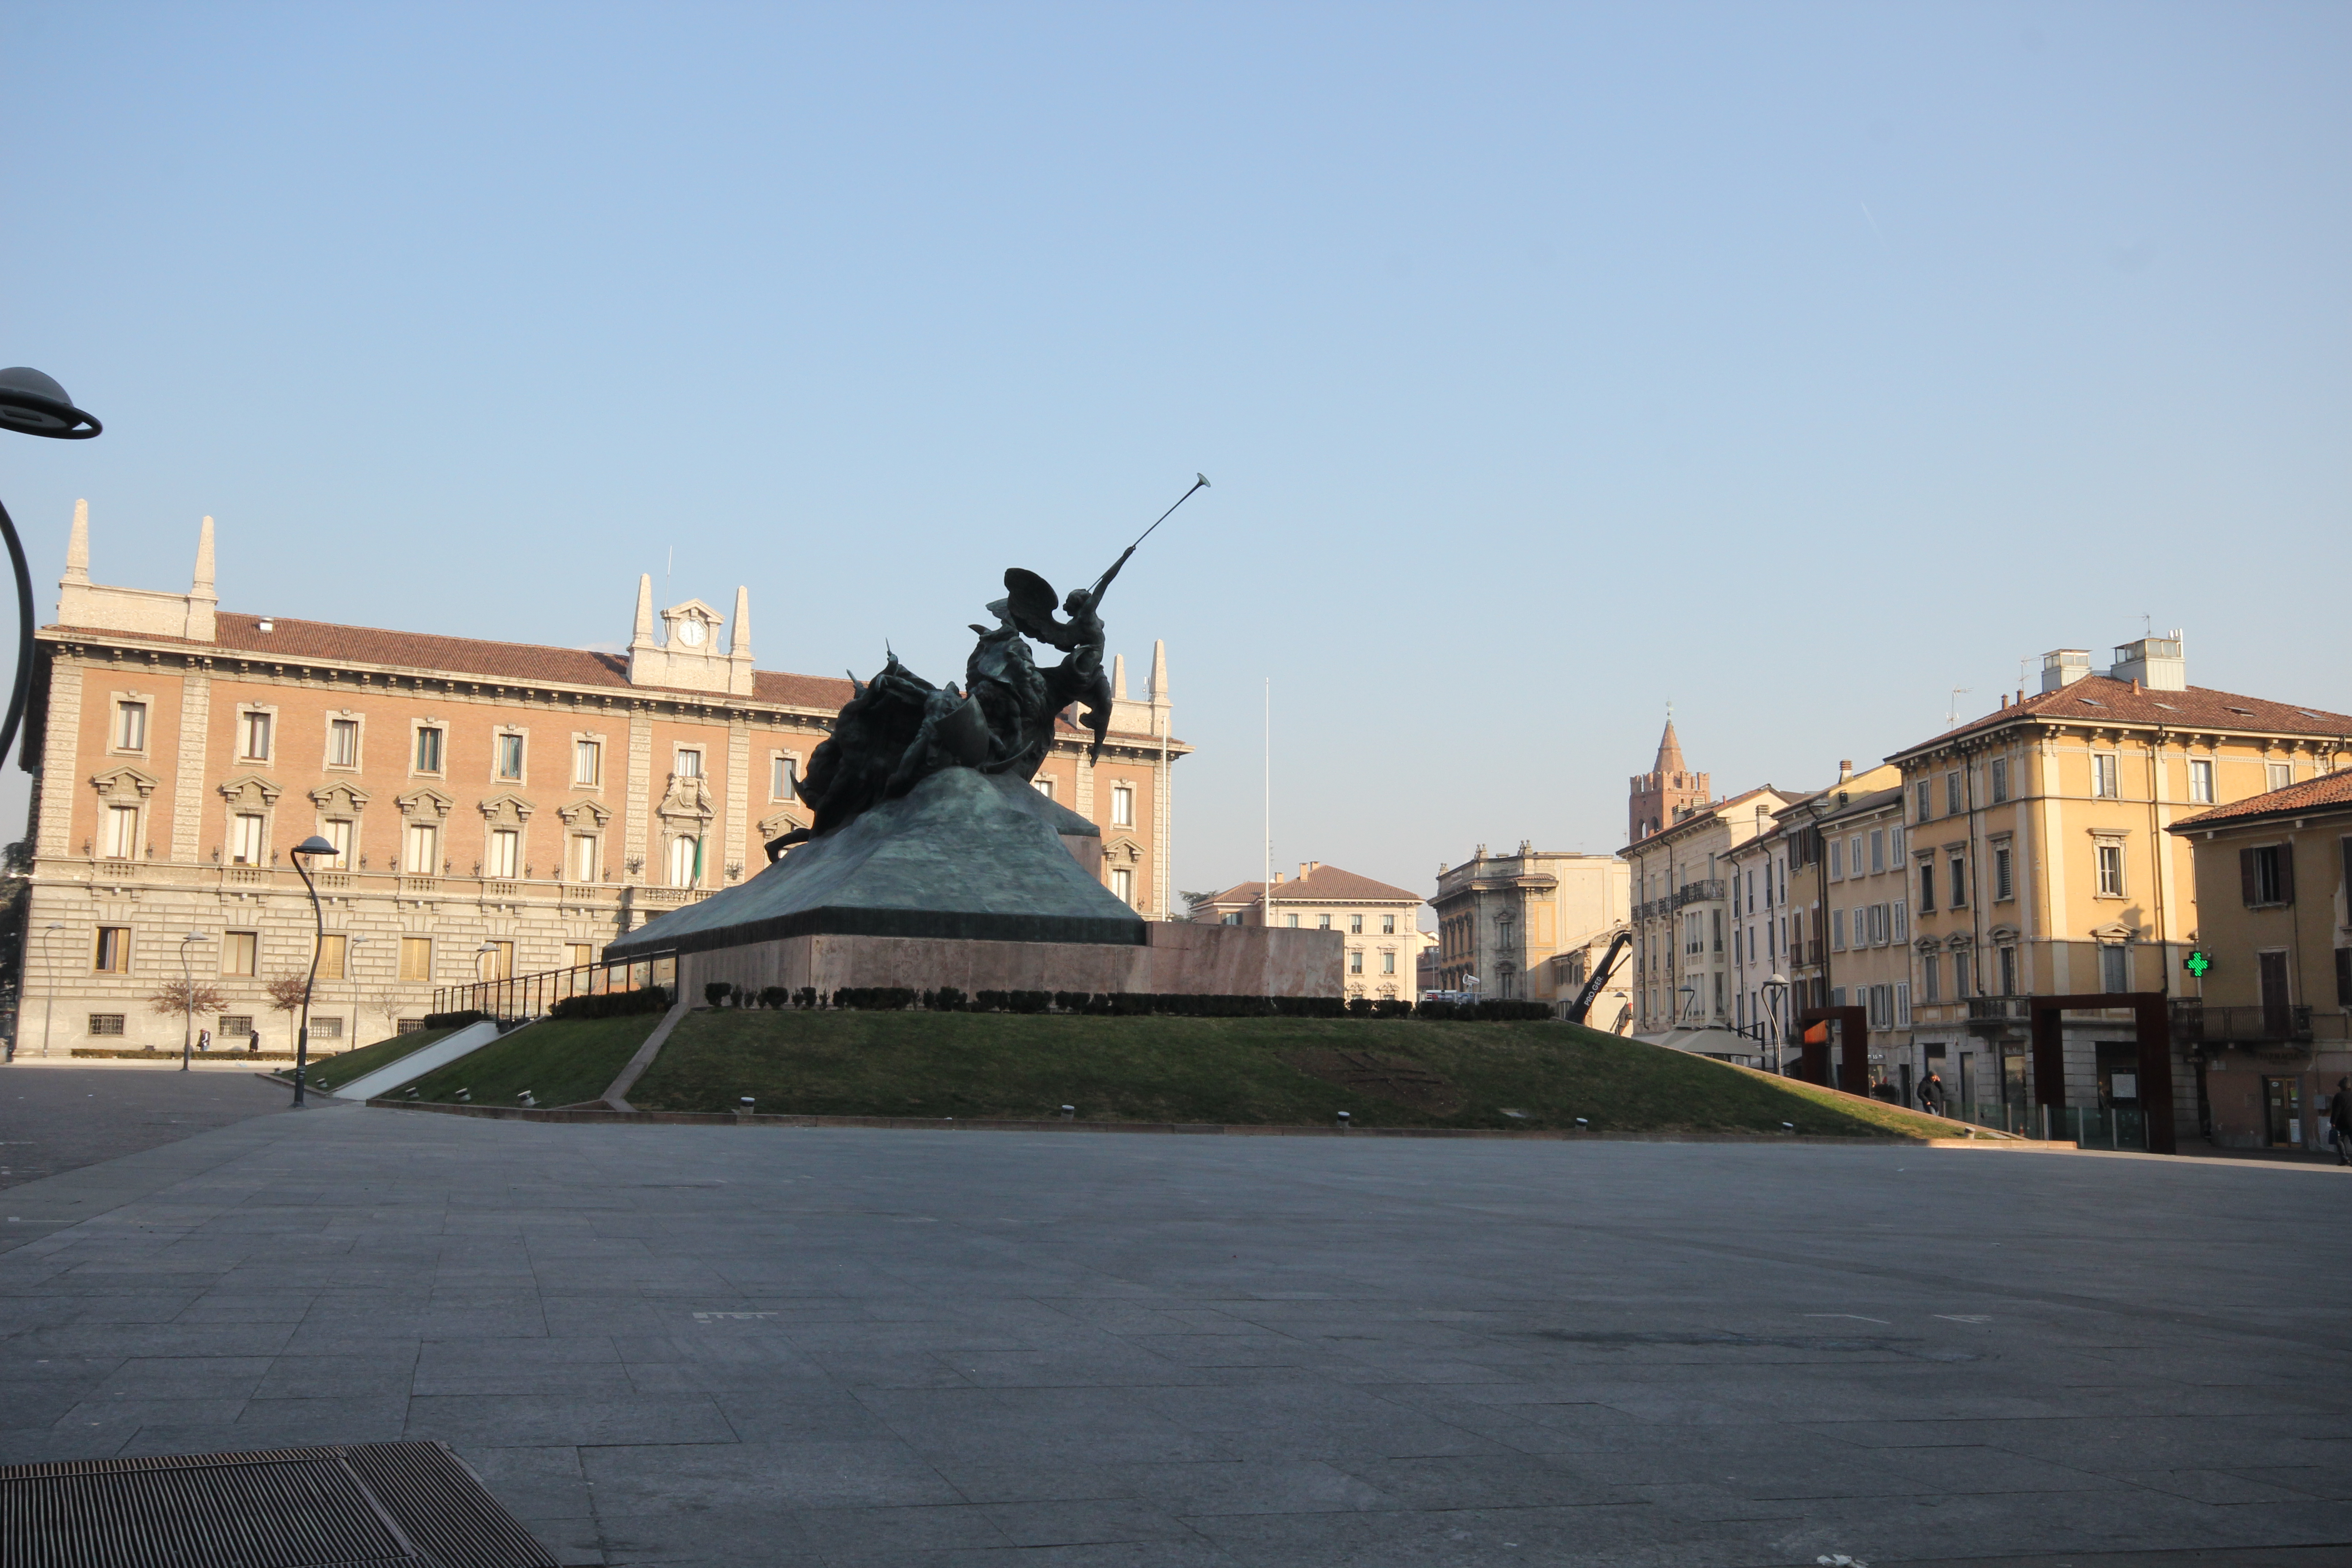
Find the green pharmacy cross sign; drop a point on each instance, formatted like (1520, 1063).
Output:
(2197, 963)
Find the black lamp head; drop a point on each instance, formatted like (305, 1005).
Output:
(314, 845)
(34, 404)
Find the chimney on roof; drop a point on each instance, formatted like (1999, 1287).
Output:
(2064, 667)
(1277, 878)
(1845, 769)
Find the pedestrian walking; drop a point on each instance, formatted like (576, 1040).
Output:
(2339, 1120)
(1931, 1094)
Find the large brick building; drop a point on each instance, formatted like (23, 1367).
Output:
(497, 807)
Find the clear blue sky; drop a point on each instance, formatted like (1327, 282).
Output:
(1795, 364)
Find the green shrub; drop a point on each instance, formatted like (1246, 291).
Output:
(612, 1004)
(457, 1020)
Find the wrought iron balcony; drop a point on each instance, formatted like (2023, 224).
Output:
(1696, 892)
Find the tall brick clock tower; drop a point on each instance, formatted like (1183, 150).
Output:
(1658, 796)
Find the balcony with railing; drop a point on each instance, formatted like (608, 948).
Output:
(2196, 1023)
(1705, 887)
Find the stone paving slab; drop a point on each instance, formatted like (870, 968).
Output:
(686, 1345)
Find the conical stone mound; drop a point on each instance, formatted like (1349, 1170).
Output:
(962, 855)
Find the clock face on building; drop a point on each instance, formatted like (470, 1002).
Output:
(689, 632)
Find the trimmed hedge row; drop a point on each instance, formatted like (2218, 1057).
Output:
(612, 1004)
(454, 1020)
(1181, 1004)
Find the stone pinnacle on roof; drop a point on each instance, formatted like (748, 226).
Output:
(1670, 752)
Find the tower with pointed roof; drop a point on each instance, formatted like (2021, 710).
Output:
(1661, 795)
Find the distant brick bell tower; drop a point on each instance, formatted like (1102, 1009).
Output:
(1657, 796)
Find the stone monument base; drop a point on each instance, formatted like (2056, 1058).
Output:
(1175, 957)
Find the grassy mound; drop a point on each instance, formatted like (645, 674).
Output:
(562, 1062)
(346, 1067)
(1295, 1071)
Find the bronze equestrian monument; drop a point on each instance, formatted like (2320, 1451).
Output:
(933, 861)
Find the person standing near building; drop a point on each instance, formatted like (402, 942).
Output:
(1931, 1094)
(2339, 1120)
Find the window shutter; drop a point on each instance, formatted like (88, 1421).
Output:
(2246, 889)
(2286, 872)
(2343, 976)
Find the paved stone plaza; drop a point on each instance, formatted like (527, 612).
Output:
(723, 1345)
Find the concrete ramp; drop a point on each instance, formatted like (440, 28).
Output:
(417, 1063)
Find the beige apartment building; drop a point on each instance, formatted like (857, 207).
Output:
(1862, 875)
(496, 807)
(1530, 925)
(1380, 924)
(2041, 860)
(2269, 1016)
(1683, 919)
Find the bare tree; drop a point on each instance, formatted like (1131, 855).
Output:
(181, 997)
(285, 994)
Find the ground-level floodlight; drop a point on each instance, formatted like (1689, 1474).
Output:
(302, 854)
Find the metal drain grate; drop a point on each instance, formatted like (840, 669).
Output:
(361, 1505)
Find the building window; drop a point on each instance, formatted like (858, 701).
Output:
(588, 763)
(1122, 887)
(1837, 931)
(333, 951)
(236, 1025)
(581, 953)
(428, 748)
(1322, 922)
(1880, 1000)
(1902, 917)
(1355, 960)
(1291, 921)
(509, 757)
(2266, 875)
(422, 856)
(2111, 870)
(1926, 887)
(1999, 780)
(245, 838)
(1122, 806)
(2008, 956)
(1957, 884)
(326, 1028)
(1837, 859)
(584, 857)
(1902, 1004)
(112, 954)
(2200, 781)
(1232, 919)
(506, 849)
(1355, 925)
(1388, 925)
(2277, 775)
(1931, 977)
(106, 1022)
(342, 743)
(239, 951)
(1952, 794)
(497, 964)
(2104, 771)
(122, 832)
(1853, 854)
(1894, 845)
(689, 763)
(1388, 962)
(2114, 967)
(337, 832)
(130, 727)
(1044, 786)
(685, 859)
(783, 782)
(416, 958)
(1926, 798)
(1960, 975)
(1877, 851)
(2003, 885)
(253, 737)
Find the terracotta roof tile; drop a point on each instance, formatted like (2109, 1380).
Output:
(2327, 790)
(2096, 699)
(292, 639)
(1330, 885)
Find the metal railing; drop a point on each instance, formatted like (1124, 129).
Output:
(530, 995)
(1695, 893)
(2200, 1023)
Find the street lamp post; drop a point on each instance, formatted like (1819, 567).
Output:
(1775, 991)
(188, 998)
(300, 854)
(49, 1005)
